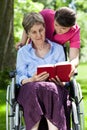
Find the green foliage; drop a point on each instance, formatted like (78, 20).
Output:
(81, 5)
(4, 79)
(59, 4)
(82, 18)
(55, 4)
(20, 8)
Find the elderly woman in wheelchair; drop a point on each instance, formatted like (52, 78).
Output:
(38, 96)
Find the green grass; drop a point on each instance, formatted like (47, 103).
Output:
(81, 78)
(2, 109)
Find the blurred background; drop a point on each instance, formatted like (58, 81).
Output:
(11, 15)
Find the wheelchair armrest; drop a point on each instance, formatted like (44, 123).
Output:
(12, 73)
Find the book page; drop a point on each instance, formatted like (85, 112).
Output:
(63, 63)
(46, 65)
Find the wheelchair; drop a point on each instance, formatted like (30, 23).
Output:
(14, 112)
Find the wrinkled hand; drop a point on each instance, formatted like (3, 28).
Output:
(40, 77)
(57, 81)
(18, 45)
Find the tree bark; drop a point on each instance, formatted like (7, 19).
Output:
(7, 50)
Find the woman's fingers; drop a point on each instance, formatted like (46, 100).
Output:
(41, 77)
(57, 81)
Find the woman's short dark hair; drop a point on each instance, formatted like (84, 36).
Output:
(31, 19)
(65, 16)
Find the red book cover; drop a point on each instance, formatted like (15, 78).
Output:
(62, 70)
(48, 68)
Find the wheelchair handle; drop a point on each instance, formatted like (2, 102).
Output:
(76, 72)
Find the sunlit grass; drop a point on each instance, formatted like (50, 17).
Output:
(2, 108)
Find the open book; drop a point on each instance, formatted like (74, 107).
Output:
(62, 70)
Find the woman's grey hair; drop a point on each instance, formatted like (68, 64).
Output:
(31, 19)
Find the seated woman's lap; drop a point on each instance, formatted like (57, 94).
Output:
(43, 98)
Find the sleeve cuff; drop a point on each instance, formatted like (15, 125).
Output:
(21, 78)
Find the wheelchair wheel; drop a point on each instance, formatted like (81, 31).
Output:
(74, 117)
(80, 108)
(77, 107)
(9, 110)
(19, 122)
(14, 115)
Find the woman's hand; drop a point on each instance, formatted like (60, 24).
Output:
(57, 81)
(40, 77)
(74, 59)
(23, 40)
(18, 45)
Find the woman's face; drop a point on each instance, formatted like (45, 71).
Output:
(60, 29)
(37, 34)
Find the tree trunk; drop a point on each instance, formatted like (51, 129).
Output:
(7, 51)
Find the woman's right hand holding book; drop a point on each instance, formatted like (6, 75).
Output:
(40, 77)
